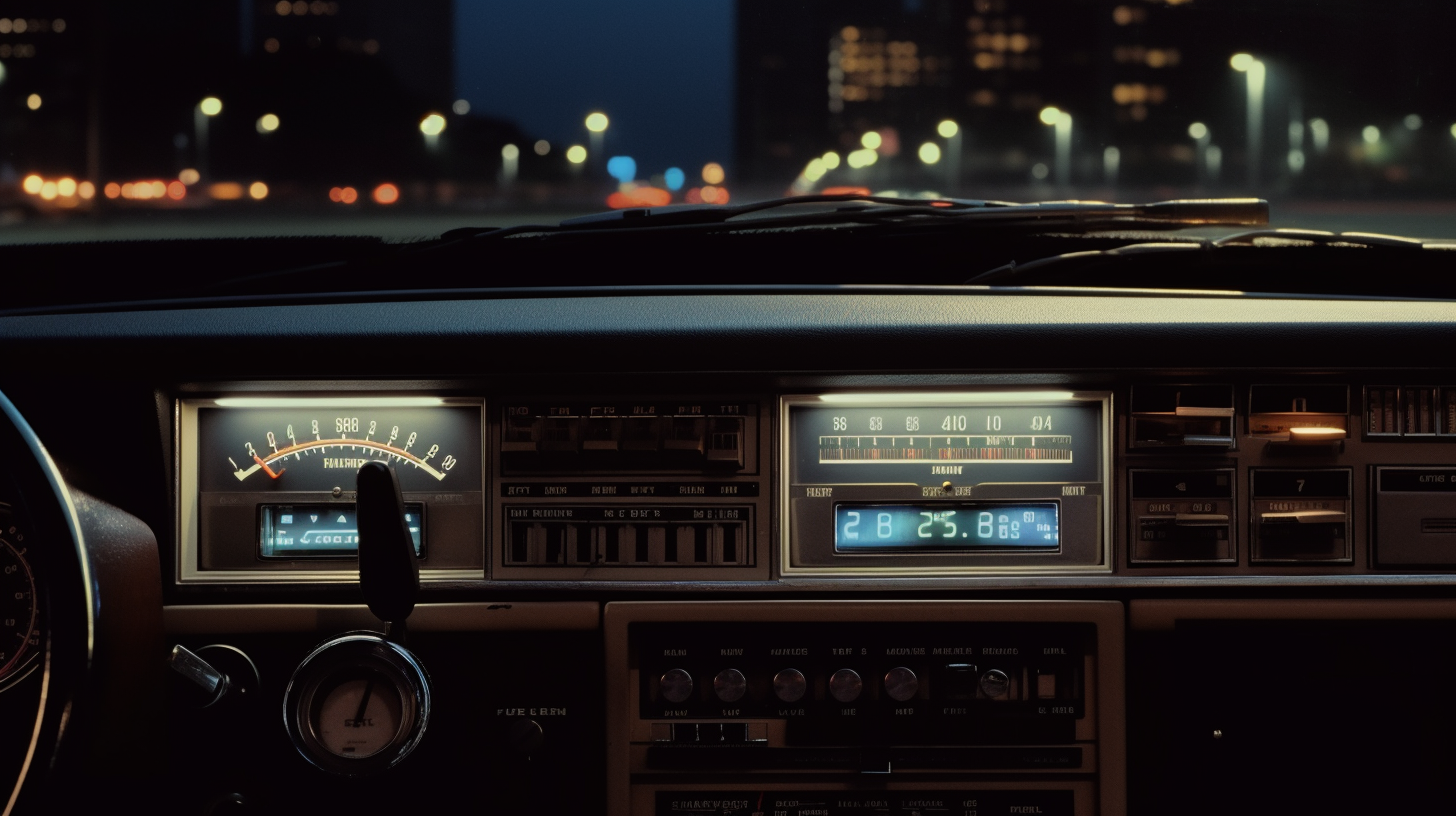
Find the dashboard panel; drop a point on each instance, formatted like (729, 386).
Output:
(740, 553)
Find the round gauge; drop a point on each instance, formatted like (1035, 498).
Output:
(19, 619)
(357, 704)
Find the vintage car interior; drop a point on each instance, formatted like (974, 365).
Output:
(551, 528)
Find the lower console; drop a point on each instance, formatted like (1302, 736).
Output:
(865, 707)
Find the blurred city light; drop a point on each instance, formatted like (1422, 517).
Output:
(510, 152)
(211, 106)
(257, 191)
(267, 123)
(1111, 163)
(223, 190)
(712, 194)
(86, 190)
(1371, 134)
(2, 73)
(862, 158)
(640, 196)
(871, 140)
(542, 147)
(947, 129)
(1453, 131)
(814, 170)
(112, 189)
(674, 178)
(930, 153)
(175, 190)
(343, 195)
(1039, 171)
(433, 125)
(461, 107)
(831, 159)
(1049, 116)
(66, 186)
(386, 193)
(33, 101)
(576, 154)
(189, 176)
(1413, 121)
(622, 168)
(713, 173)
(1296, 160)
(32, 182)
(1198, 130)
(597, 122)
(1319, 133)
(48, 191)
(1241, 62)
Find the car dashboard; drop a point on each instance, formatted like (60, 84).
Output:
(870, 550)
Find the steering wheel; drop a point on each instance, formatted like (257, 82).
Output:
(64, 718)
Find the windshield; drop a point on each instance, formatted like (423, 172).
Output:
(363, 117)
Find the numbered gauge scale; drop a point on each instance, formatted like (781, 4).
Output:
(267, 484)
(946, 483)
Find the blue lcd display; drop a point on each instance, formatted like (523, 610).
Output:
(945, 527)
(322, 530)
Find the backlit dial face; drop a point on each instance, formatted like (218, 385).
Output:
(359, 717)
(19, 624)
(316, 446)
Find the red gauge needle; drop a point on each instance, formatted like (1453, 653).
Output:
(266, 469)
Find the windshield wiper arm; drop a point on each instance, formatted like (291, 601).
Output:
(862, 209)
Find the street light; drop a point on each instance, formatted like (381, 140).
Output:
(930, 153)
(951, 132)
(1062, 121)
(204, 111)
(267, 123)
(1198, 132)
(1254, 72)
(432, 126)
(596, 125)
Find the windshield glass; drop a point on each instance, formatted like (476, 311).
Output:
(289, 117)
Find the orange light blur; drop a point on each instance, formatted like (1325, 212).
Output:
(335, 194)
(225, 190)
(694, 195)
(864, 191)
(713, 194)
(348, 195)
(112, 189)
(159, 189)
(176, 190)
(257, 191)
(386, 193)
(643, 196)
(86, 190)
(32, 184)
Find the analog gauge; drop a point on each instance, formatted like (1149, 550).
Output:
(19, 619)
(318, 445)
(358, 704)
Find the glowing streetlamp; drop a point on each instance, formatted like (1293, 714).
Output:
(510, 164)
(201, 114)
(1062, 122)
(1201, 137)
(596, 125)
(950, 131)
(1254, 72)
(432, 126)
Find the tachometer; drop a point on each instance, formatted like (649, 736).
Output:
(19, 618)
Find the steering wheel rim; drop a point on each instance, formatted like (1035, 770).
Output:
(65, 593)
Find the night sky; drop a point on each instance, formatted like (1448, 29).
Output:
(662, 70)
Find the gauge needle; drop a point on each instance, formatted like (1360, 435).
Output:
(363, 704)
(266, 469)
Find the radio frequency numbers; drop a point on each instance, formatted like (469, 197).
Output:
(951, 422)
(956, 448)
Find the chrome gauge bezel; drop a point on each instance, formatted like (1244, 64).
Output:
(336, 661)
(21, 666)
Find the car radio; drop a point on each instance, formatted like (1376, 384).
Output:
(946, 483)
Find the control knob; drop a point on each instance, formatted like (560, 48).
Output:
(730, 685)
(901, 684)
(790, 685)
(677, 685)
(995, 683)
(845, 685)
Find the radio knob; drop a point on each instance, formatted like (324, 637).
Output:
(790, 685)
(730, 685)
(677, 685)
(995, 683)
(901, 683)
(845, 685)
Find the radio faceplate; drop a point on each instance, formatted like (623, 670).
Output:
(945, 484)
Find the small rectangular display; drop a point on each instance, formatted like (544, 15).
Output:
(945, 527)
(322, 530)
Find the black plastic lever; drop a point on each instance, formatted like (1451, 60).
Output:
(388, 573)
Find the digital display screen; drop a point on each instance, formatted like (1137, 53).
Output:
(322, 530)
(945, 527)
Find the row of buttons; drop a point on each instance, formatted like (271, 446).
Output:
(845, 685)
